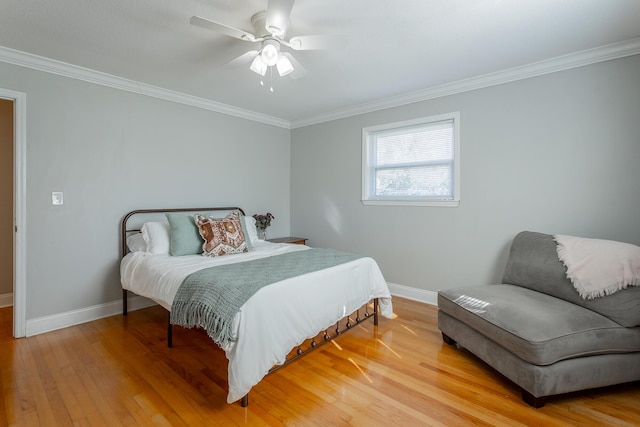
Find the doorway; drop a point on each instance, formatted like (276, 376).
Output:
(6, 217)
(13, 218)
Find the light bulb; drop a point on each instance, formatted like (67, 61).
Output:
(269, 54)
(258, 66)
(284, 66)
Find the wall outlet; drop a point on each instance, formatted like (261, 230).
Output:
(56, 198)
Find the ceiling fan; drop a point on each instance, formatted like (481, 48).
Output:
(269, 29)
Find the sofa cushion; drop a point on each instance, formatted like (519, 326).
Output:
(538, 328)
(533, 263)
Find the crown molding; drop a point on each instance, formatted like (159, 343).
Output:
(64, 69)
(560, 63)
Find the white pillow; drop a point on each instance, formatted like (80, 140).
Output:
(252, 231)
(136, 243)
(156, 235)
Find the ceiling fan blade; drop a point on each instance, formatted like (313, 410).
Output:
(320, 42)
(243, 59)
(278, 12)
(298, 70)
(221, 28)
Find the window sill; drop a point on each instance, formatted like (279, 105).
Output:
(436, 203)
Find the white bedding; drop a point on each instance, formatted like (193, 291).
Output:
(278, 317)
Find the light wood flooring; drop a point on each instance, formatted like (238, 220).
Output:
(118, 371)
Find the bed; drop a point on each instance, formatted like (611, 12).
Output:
(269, 329)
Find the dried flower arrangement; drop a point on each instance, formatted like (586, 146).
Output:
(263, 221)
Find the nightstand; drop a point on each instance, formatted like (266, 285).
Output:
(294, 240)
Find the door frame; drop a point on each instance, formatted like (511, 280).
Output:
(19, 208)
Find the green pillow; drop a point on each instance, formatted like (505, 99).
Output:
(245, 230)
(184, 236)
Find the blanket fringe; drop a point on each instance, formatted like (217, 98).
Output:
(577, 284)
(193, 314)
(582, 286)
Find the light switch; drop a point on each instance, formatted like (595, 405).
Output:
(56, 198)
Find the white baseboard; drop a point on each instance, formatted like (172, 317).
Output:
(421, 295)
(6, 300)
(75, 317)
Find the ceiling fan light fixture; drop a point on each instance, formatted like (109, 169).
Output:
(270, 52)
(258, 66)
(284, 66)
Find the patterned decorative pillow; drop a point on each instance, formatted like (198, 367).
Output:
(221, 236)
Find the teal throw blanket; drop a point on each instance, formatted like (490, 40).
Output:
(211, 297)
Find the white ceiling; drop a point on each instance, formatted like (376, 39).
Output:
(394, 47)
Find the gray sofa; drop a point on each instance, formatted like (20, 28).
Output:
(537, 331)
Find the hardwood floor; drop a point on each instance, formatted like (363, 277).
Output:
(118, 371)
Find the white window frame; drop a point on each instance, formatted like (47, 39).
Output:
(369, 163)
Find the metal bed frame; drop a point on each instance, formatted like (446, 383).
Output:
(309, 345)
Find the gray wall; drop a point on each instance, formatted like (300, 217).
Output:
(557, 153)
(111, 151)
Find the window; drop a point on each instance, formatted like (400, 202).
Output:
(416, 162)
